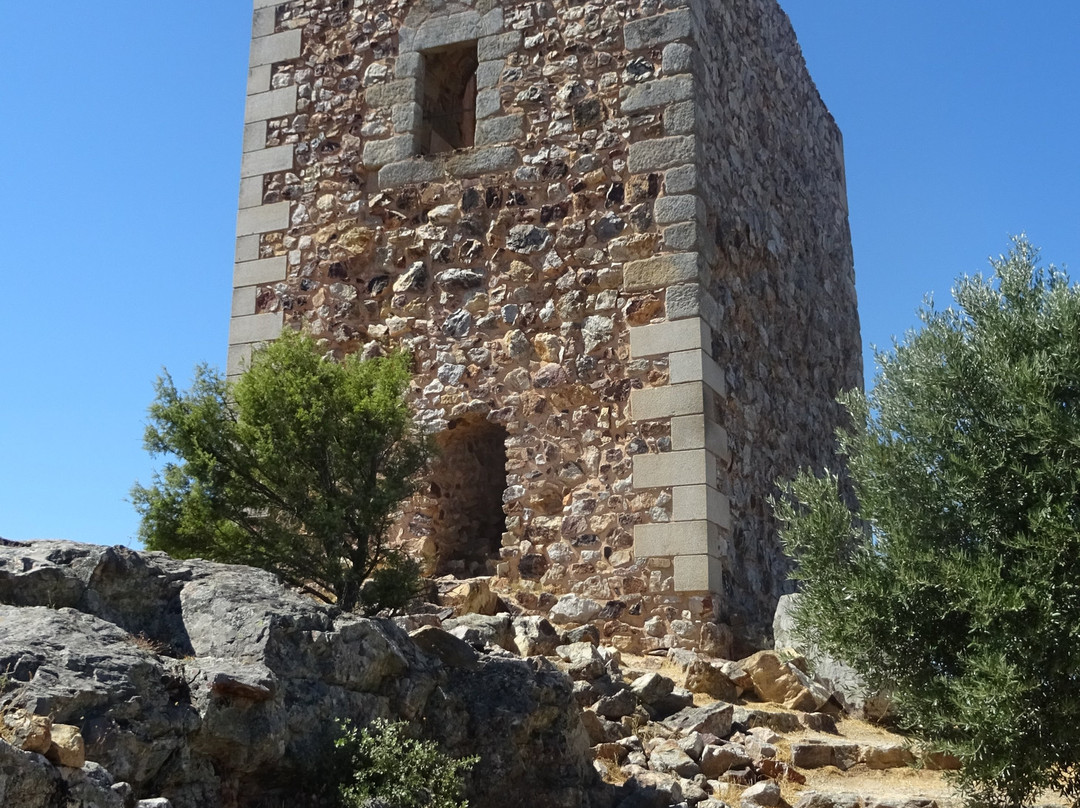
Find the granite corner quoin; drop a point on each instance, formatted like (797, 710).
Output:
(622, 266)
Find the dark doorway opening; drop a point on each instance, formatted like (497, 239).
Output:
(468, 480)
(449, 98)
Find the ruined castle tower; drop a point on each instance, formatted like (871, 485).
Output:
(612, 233)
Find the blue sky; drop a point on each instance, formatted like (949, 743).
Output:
(121, 143)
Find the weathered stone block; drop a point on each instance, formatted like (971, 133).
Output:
(698, 432)
(258, 80)
(487, 73)
(690, 366)
(679, 208)
(660, 271)
(681, 180)
(255, 328)
(378, 153)
(682, 236)
(255, 136)
(263, 219)
(491, 23)
(251, 192)
(441, 31)
(660, 153)
(662, 338)
(691, 502)
(267, 270)
(677, 57)
(407, 117)
(239, 359)
(665, 402)
(409, 65)
(698, 573)
(392, 92)
(483, 161)
(499, 129)
(247, 248)
(676, 539)
(265, 161)
(268, 50)
(488, 102)
(272, 104)
(689, 300)
(657, 92)
(243, 301)
(498, 46)
(410, 171)
(263, 22)
(680, 118)
(696, 467)
(657, 30)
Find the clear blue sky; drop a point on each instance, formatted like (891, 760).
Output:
(121, 148)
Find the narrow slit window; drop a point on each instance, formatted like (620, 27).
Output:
(449, 98)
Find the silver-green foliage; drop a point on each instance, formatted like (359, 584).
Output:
(387, 767)
(297, 467)
(956, 580)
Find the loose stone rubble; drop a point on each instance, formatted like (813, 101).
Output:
(135, 679)
(630, 301)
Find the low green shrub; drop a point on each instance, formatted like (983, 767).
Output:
(388, 768)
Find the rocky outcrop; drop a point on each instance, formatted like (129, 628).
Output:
(852, 690)
(213, 685)
(132, 680)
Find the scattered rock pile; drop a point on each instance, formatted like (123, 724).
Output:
(135, 679)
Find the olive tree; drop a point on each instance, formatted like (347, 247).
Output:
(945, 563)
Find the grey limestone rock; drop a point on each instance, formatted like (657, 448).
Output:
(190, 680)
(849, 686)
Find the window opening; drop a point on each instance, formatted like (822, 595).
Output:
(449, 98)
(467, 482)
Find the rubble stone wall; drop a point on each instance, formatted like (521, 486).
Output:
(640, 271)
(780, 271)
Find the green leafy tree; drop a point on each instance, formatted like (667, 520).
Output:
(297, 468)
(955, 582)
(386, 767)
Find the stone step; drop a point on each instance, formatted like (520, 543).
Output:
(848, 799)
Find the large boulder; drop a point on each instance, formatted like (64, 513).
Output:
(852, 691)
(28, 780)
(783, 683)
(215, 686)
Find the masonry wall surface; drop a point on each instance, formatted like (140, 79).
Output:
(641, 272)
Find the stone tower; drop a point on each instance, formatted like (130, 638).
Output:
(613, 234)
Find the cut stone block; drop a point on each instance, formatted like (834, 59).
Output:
(698, 573)
(669, 338)
(660, 271)
(697, 467)
(677, 539)
(665, 402)
(265, 161)
(272, 104)
(701, 502)
(263, 219)
(692, 366)
(699, 432)
(255, 328)
(658, 29)
(268, 50)
(267, 270)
